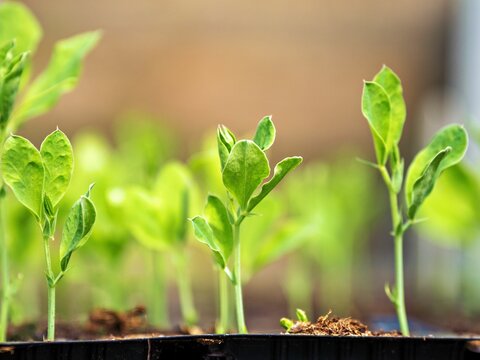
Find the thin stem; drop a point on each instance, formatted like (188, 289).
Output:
(242, 328)
(223, 322)
(159, 302)
(399, 293)
(6, 285)
(51, 291)
(189, 314)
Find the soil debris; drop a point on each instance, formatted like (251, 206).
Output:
(335, 326)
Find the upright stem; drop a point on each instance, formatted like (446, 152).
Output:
(158, 300)
(189, 314)
(222, 325)
(51, 291)
(6, 285)
(242, 328)
(399, 293)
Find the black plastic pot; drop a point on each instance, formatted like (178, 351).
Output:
(248, 347)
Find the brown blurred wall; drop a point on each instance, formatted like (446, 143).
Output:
(200, 63)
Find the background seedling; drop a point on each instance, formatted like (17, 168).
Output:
(384, 108)
(39, 180)
(244, 167)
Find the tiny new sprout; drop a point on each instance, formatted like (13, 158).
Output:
(287, 324)
(39, 180)
(244, 167)
(384, 108)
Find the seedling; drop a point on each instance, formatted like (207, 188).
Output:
(19, 37)
(245, 167)
(384, 108)
(287, 323)
(39, 180)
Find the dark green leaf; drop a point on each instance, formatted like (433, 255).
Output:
(265, 134)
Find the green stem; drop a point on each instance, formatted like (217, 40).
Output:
(158, 299)
(223, 321)
(189, 314)
(51, 291)
(399, 293)
(242, 328)
(6, 285)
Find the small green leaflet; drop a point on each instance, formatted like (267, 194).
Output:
(265, 134)
(217, 217)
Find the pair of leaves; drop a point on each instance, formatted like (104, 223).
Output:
(215, 230)
(384, 108)
(245, 165)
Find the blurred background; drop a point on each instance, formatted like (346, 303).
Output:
(169, 72)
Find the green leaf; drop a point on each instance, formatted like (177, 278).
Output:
(246, 168)
(423, 186)
(376, 109)
(225, 141)
(23, 172)
(265, 134)
(217, 217)
(9, 85)
(301, 315)
(77, 228)
(60, 76)
(18, 23)
(453, 136)
(392, 85)
(57, 156)
(281, 169)
(204, 234)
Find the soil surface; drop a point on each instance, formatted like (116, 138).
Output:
(335, 326)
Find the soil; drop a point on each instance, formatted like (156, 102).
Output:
(335, 326)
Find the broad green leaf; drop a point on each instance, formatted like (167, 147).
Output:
(217, 217)
(453, 136)
(425, 183)
(246, 168)
(9, 84)
(377, 111)
(57, 156)
(19, 24)
(77, 228)
(265, 134)
(60, 76)
(281, 169)
(23, 171)
(391, 83)
(204, 234)
(225, 142)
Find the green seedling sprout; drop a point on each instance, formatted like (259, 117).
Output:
(20, 34)
(287, 323)
(245, 167)
(384, 108)
(39, 180)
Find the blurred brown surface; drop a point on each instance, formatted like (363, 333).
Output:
(200, 63)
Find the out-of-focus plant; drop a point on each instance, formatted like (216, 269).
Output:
(158, 218)
(22, 99)
(244, 168)
(39, 180)
(318, 197)
(384, 108)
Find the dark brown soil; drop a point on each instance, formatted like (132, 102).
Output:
(334, 326)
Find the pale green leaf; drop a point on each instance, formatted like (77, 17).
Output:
(376, 109)
(217, 217)
(204, 233)
(18, 23)
(23, 171)
(246, 168)
(60, 76)
(57, 156)
(281, 169)
(77, 228)
(225, 141)
(265, 134)
(391, 83)
(453, 136)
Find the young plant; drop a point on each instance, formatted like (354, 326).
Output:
(245, 167)
(19, 37)
(384, 108)
(157, 218)
(39, 180)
